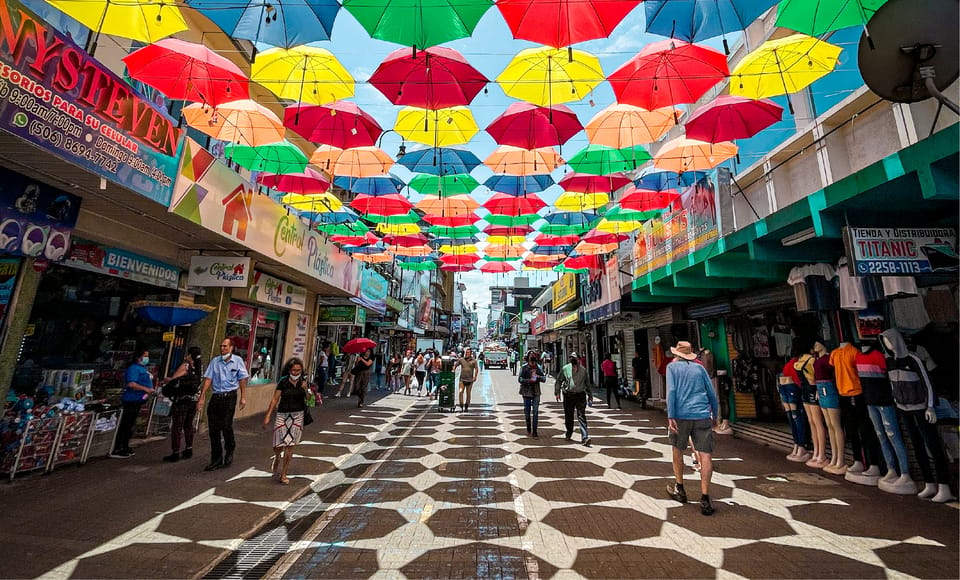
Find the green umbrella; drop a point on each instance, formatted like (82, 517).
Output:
(618, 214)
(603, 160)
(443, 185)
(352, 229)
(279, 158)
(562, 268)
(418, 23)
(453, 232)
(512, 220)
(817, 17)
(496, 259)
(564, 230)
(417, 266)
(411, 217)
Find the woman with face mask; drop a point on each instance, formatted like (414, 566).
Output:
(138, 386)
(290, 403)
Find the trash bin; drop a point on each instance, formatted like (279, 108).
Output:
(446, 389)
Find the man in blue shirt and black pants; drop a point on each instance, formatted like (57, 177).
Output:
(226, 374)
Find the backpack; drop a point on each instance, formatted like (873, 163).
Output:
(185, 389)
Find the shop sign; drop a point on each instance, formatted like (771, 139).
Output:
(57, 97)
(456, 325)
(9, 268)
(210, 194)
(266, 289)
(394, 304)
(539, 324)
(337, 314)
(601, 292)
(886, 251)
(300, 336)
(373, 291)
(219, 271)
(564, 289)
(169, 336)
(36, 220)
(118, 263)
(565, 320)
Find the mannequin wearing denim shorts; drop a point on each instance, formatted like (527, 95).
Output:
(808, 396)
(829, 399)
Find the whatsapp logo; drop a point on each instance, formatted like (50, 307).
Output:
(20, 120)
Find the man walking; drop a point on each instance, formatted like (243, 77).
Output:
(692, 410)
(514, 358)
(225, 375)
(574, 382)
(468, 376)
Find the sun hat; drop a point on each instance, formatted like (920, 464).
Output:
(684, 350)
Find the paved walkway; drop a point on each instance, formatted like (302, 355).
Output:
(399, 490)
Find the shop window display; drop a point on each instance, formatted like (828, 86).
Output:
(257, 335)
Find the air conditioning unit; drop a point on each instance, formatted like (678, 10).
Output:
(408, 299)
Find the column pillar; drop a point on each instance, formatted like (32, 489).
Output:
(18, 315)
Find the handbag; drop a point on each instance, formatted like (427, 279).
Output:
(307, 417)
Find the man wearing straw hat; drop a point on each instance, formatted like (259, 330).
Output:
(692, 411)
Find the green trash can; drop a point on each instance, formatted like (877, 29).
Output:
(446, 400)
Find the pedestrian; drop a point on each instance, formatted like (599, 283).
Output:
(514, 357)
(469, 370)
(545, 360)
(436, 364)
(608, 369)
(332, 353)
(224, 377)
(531, 375)
(290, 402)
(137, 388)
(639, 380)
(479, 360)
(346, 377)
(256, 365)
(573, 381)
(183, 388)
(406, 370)
(378, 369)
(323, 362)
(420, 371)
(692, 410)
(361, 376)
(394, 373)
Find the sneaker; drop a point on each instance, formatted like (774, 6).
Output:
(706, 508)
(173, 457)
(676, 492)
(187, 453)
(569, 438)
(586, 442)
(121, 454)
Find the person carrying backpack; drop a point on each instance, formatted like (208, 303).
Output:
(183, 390)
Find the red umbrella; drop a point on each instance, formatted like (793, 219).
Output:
(598, 237)
(358, 345)
(497, 268)
(365, 239)
(386, 205)
(669, 72)
(732, 117)
(435, 78)
(451, 221)
(406, 241)
(507, 230)
(559, 23)
(647, 199)
(548, 240)
(586, 183)
(186, 71)
(541, 264)
(457, 268)
(503, 204)
(577, 262)
(308, 182)
(340, 124)
(530, 127)
(459, 259)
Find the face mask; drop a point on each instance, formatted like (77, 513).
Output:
(145, 361)
(294, 377)
(225, 357)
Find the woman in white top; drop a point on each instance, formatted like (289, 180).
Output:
(406, 370)
(420, 370)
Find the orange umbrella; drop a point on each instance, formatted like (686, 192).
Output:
(682, 154)
(621, 126)
(354, 162)
(588, 249)
(245, 122)
(412, 251)
(453, 206)
(374, 258)
(516, 161)
(503, 251)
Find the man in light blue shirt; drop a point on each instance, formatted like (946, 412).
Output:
(692, 410)
(225, 375)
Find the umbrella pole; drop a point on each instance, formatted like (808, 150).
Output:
(783, 80)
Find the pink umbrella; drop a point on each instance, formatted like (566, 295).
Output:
(341, 124)
(365, 239)
(530, 127)
(586, 183)
(732, 117)
(497, 268)
(646, 199)
(308, 182)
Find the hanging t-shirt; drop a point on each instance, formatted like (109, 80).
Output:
(823, 295)
(843, 360)
(899, 286)
(941, 305)
(872, 370)
(783, 340)
(796, 280)
(852, 296)
(910, 314)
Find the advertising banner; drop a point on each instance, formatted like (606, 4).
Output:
(564, 289)
(562, 321)
(212, 195)
(373, 291)
(219, 271)
(885, 251)
(94, 257)
(36, 220)
(300, 336)
(266, 289)
(337, 314)
(9, 268)
(57, 97)
(601, 292)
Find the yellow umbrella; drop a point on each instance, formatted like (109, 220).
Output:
(318, 202)
(410, 251)
(245, 122)
(622, 126)
(353, 162)
(398, 229)
(373, 258)
(453, 206)
(516, 161)
(506, 239)
(458, 250)
(615, 227)
(682, 154)
(302, 73)
(548, 76)
(436, 128)
(143, 20)
(576, 201)
(783, 66)
(503, 251)
(588, 249)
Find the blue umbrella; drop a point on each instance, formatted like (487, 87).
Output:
(170, 313)
(379, 185)
(519, 184)
(344, 216)
(664, 180)
(571, 218)
(371, 249)
(697, 20)
(284, 23)
(440, 161)
(551, 250)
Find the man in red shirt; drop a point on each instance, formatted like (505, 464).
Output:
(608, 369)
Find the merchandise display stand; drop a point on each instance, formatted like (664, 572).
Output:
(73, 439)
(38, 442)
(102, 436)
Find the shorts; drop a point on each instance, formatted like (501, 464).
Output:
(828, 394)
(701, 430)
(790, 394)
(808, 394)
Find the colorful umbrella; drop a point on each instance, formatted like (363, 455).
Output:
(457, 268)
(410, 251)
(622, 227)
(530, 127)
(545, 240)
(446, 242)
(512, 220)
(452, 206)
(417, 266)
(444, 185)
(564, 269)
(377, 185)
(620, 126)
(603, 160)
(495, 230)
(504, 251)
(552, 251)
(439, 128)
(462, 250)
(436, 78)
(361, 240)
(282, 157)
(588, 262)
(451, 221)
(316, 202)
(343, 216)
(460, 259)
(378, 258)
(440, 160)
(519, 184)
(693, 20)
(497, 268)
(343, 229)
(503, 204)
(245, 122)
(358, 345)
(454, 232)
(408, 241)
(587, 183)
(356, 162)
(517, 161)
(304, 73)
(143, 20)
(637, 199)
(506, 239)
(589, 249)
(548, 76)
(818, 17)
(371, 249)
(384, 205)
(577, 202)
(668, 73)
(571, 218)
(410, 217)
(668, 180)
(186, 71)
(682, 154)
(309, 181)
(534, 263)
(398, 229)
(342, 124)
(730, 117)
(283, 23)
(600, 237)
(783, 66)
(418, 23)
(561, 23)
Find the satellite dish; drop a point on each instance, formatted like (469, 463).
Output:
(910, 50)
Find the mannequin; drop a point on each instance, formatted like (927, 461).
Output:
(829, 399)
(808, 395)
(724, 388)
(790, 396)
(914, 399)
(853, 414)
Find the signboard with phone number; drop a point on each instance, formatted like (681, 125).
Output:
(901, 251)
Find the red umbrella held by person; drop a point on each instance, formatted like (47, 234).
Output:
(358, 345)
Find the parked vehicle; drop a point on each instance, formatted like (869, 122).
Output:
(494, 359)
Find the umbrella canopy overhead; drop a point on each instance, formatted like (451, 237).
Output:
(444, 185)
(309, 181)
(503, 204)
(817, 18)
(418, 23)
(453, 232)
(440, 160)
(603, 160)
(303, 73)
(668, 180)
(377, 185)
(283, 23)
(170, 313)
(282, 157)
(354, 163)
(314, 202)
(668, 73)
(504, 251)
(620, 125)
(730, 117)
(384, 205)
(588, 183)
(512, 160)
(647, 200)
(697, 20)
(497, 268)
(682, 155)
(460, 259)
(245, 122)
(531, 127)
(436, 78)
(548, 76)
(447, 207)
(563, 22)
(579, 202)
(342, 124)
(519, 184)
(439, 128)
(417, 266)
(143, 20)
(783, 66)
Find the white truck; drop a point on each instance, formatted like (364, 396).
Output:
(494, 358)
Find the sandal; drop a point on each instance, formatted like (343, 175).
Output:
(284, 480)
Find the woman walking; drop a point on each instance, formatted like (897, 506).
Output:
(420, 370)
(531, 375)
(290, 403)
(361, 376)
(406, 371)
(183, 389)
(609, 370)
